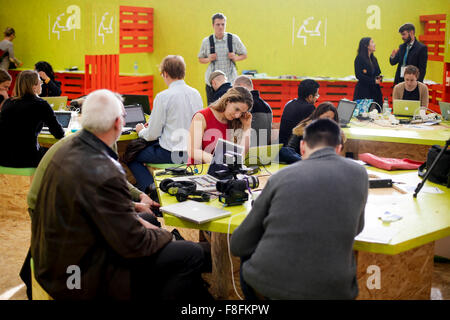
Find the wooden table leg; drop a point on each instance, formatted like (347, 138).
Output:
(221, 280)
(403, 276)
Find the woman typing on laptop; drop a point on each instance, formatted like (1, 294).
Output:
(411, 89)
(227, 118)
(21, 119)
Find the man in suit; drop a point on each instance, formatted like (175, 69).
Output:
(411, 52)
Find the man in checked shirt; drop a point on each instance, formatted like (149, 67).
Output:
(226, 49)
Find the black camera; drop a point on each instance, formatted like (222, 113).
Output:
(233, 191)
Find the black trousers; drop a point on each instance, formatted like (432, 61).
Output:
(172, 273)
(209, 94)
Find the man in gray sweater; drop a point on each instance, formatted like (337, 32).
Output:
(297, 241)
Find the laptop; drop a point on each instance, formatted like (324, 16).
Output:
(262, 155)
(445, 110)
(134, 99)
(57, 103)
(224, 153)
(405, 107)
(134, 115)
(345, 110)
(194, 211)
(63, 118)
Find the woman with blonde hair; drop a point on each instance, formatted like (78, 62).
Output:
(21, 119)
(228, 118)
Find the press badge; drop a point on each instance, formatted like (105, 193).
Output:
(402, 71)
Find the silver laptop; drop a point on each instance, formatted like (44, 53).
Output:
(57, 103)
(445, 110)
(405, 108)
(134, 115)
(262, 155)
(345, 110)
(64, 118)
(224, 154)
(195, 211)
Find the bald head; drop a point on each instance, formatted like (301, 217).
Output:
(243, 81)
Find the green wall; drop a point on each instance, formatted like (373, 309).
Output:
(269, 29)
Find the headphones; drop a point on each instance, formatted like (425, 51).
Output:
(183, 190)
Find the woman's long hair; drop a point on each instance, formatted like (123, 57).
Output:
(321, 109)
(363, 50)
(46, 67)
(238, 94)
(24, 83)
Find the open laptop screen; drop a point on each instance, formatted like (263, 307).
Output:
(63, 118)
(133, 99)
(134, 116)
(345, 110)
(225, 154)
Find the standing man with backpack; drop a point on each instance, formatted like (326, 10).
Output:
(221, 50)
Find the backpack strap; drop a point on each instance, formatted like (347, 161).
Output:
(230, 42)
(212, 47)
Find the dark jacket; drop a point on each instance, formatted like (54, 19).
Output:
(51, 89)
(366, 73)
(221, 91)
(295, 111)
(298, 245)
(85, 217)
(21, 120)
(417, 56)
(261, 120)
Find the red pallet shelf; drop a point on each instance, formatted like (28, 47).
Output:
(135, 29)
(434, 35)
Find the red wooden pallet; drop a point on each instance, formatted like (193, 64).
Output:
(434, 35)
(135, 29)
(101, 72)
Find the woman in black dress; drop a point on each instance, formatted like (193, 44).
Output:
(368, 73)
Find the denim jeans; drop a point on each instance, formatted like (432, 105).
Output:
(288, 155)
(152, 154)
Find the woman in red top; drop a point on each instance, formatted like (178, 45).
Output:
(228, 118)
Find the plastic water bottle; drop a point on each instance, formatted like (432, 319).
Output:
(386, 106)
(135, 67)
(75, 123)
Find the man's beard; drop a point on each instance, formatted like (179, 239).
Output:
(408, 40)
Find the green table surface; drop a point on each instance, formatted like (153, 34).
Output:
(363, 130)
(424, 219)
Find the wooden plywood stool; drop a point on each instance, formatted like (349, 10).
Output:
(14, 186)
(38, 293)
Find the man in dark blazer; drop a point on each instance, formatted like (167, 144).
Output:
(411, 52)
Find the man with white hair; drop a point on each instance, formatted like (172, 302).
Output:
(87, 240)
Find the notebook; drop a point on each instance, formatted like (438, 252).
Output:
(134, 115)
(262, 155)
(405, 107)
(224, 153)
(135, 99)
(63, 117)
(345, 110)
(195, 211)
(445, 109)
(57, 103)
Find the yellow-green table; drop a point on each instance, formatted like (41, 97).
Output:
(405, 263)
(399, 141)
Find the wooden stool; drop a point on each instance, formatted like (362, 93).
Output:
(14, 186)
(37, 292)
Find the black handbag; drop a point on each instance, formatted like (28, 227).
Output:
(441, 171)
